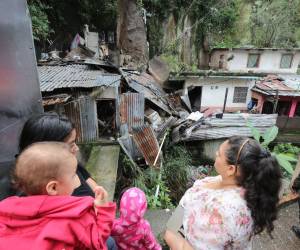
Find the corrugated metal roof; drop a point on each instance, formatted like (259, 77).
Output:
(286, 86)
(230, 125)
(253, 48)
(132, 107)
(214, 133)
(74, 76)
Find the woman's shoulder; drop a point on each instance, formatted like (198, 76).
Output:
(206, 180)
(217, 197)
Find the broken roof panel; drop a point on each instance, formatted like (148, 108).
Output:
(286, 86)
(145, 83)
(74, 76)
(147, 144)
(230, 125)
(55, 99)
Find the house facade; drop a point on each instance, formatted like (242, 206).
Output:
(208, 92)
(236, 70)
(263, 60)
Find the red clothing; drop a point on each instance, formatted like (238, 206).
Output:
(54, 222)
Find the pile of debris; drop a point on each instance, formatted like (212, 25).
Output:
(135, 108)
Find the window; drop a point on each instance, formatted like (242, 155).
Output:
(286, 61)
(240, 94)
(253, 60)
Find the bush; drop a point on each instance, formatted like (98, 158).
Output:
(175, 171)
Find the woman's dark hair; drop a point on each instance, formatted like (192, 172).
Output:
(45, 127)
(260, 176)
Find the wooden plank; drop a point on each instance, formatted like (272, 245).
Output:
(288, 198)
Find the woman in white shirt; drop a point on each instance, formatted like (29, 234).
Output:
(225, 211)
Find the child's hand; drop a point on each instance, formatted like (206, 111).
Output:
(100, 196)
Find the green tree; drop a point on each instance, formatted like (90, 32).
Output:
(53, 18)
(40, 22)
(275, 23)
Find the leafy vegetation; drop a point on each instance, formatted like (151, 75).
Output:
(40, 22)
(214, 23)
(286, 159)
(175, 166)
(163, 188)
(69, 17)
(275, 23)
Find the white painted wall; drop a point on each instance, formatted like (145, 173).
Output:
(269, 60)
(213, 91)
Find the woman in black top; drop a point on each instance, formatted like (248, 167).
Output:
(52, 127)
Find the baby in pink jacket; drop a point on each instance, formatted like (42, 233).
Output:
(131, 231)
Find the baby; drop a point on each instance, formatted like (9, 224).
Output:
(49, 217)
(131, 231)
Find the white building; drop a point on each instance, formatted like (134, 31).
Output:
(265, 60)
(237, 70)
(209, 92)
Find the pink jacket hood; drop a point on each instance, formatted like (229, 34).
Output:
(131, 230)
(133, 206)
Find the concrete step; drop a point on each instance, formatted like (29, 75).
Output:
(103, 166)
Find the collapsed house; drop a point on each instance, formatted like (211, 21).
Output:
(109, 105)
(85, 94)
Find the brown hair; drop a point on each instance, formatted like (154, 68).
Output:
(38, 164)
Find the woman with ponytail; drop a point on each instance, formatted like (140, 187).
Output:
(226, 211)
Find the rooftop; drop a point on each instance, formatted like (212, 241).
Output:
(285, 85)
(74, 76)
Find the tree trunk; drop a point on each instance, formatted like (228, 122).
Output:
(131, 35)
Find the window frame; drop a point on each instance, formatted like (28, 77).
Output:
(238, 97)
(258, 60)
(291, 62)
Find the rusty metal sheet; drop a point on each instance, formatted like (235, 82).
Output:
(88, 119)
(20, 95)
(55, 99)
(146, 141)
(83, 113)
(132, 107)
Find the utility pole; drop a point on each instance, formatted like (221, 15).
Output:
(276, 102)
(225, 100)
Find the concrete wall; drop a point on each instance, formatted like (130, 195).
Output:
(211, 147)
(269, 60)
(213, 91)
